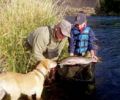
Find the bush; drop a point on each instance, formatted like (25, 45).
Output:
(17, 19)
(110, 7)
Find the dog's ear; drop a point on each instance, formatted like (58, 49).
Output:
(37, 63)
(48, 64)
(45, 63)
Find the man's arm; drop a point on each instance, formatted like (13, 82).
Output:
(40, 43)
(61, 46)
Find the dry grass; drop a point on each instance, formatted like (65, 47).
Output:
(17, 19)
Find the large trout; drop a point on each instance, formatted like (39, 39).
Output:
(72, 60)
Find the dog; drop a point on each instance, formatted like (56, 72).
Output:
(29, 84)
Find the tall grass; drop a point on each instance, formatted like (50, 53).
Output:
(17, 19)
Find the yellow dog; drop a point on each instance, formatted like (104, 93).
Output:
(31, 83)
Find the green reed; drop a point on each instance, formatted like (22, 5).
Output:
(17, 19)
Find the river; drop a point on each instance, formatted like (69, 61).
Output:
(107, 30)
(107, 72)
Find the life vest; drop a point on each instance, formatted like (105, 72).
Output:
(81, 41)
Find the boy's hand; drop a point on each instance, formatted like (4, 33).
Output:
(95, 58)
(71, 54)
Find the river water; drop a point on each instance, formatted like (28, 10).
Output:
(107, 30)
(107, 72)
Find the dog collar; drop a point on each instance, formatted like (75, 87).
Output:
(41, 72)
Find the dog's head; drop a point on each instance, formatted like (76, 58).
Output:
(47, 64)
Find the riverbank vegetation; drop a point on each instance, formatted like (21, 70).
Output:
(108, 7)
(93, 7)
(17, 19)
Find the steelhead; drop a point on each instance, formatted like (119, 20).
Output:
(72, 60)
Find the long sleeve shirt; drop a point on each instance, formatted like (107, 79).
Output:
(44, 45)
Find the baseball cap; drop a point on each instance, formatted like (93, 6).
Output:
(65, 27)
(80, 18)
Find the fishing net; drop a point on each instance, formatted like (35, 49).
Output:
(77, 72)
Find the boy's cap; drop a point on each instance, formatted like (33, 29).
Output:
(80, 18)
(65, 27)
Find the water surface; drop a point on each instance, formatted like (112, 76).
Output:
(107, 30)
(107, 73)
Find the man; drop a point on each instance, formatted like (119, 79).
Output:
(82, 38)
(48, 42)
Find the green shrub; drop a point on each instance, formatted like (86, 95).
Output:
(110, 7)
(17, 19)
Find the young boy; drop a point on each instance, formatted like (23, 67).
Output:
(82, 38)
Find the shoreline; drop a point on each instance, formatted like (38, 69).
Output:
(90, 7)
(90, 11)
(74, 11)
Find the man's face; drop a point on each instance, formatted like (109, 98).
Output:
(59, 35)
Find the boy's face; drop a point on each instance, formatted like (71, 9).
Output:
(81, 26)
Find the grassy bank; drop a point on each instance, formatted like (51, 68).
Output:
(17, 19)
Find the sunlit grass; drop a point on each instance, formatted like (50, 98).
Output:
(17, 19)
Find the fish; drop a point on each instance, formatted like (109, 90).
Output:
(74, 60)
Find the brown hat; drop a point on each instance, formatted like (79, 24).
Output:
(80, 18)
(65, 27)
